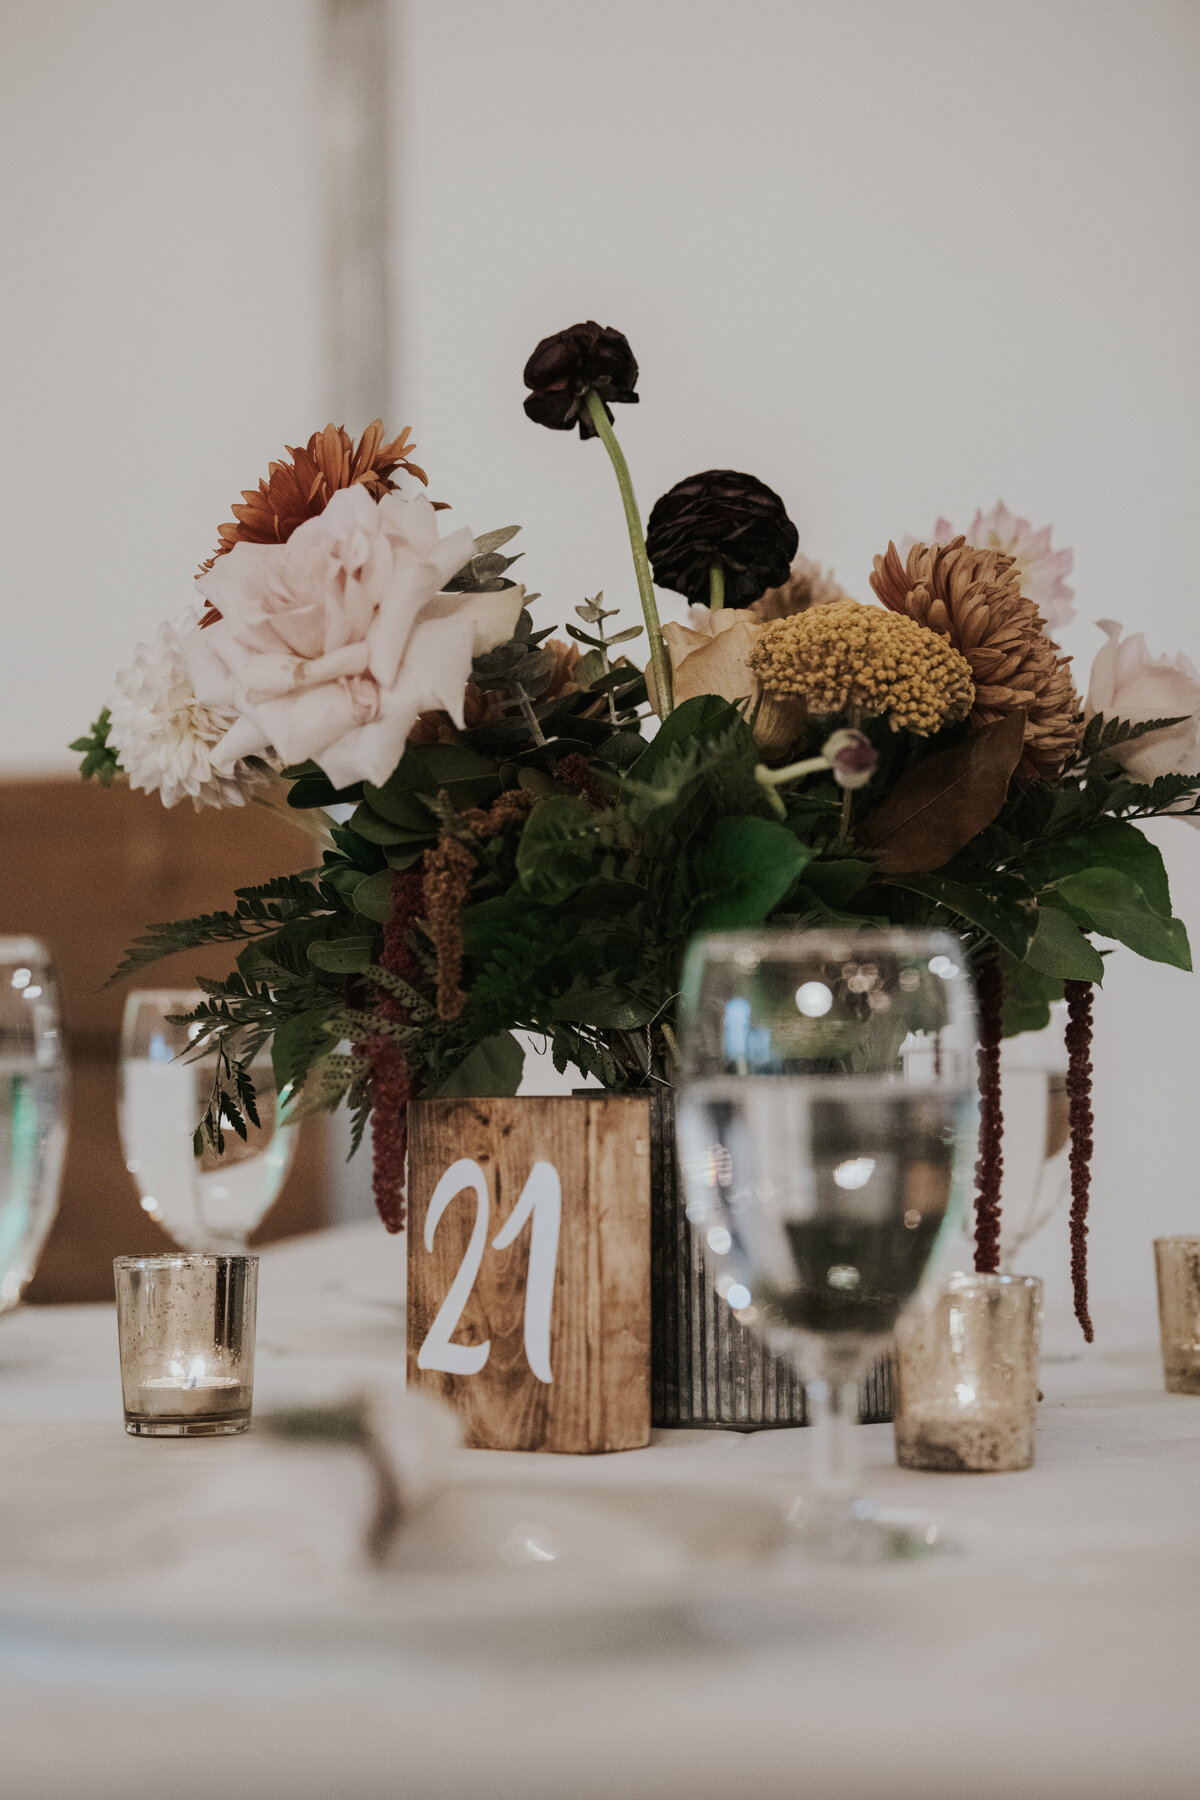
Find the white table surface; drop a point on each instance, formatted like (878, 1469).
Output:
(1056, 1655)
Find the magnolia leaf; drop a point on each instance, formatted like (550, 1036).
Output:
(1059, 948)
(494, 1068)
(1116, 907)
(942, 802)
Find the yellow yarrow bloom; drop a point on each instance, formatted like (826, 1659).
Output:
(856, 659)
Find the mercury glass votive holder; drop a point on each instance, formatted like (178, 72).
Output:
(966, 1387)
(185, 1323)
(1177, 1266)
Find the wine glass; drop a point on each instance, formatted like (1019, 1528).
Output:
(33, 1123)
(825, 1085)
(210, 1202)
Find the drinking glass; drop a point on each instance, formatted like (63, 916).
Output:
(32, 1110)
(211, 1202)
(826, 1082)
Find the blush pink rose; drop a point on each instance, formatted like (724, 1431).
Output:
(330, 645)
(1128, 683)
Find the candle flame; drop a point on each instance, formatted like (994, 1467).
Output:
(191, 1376)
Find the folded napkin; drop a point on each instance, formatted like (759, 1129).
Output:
(294, 1507)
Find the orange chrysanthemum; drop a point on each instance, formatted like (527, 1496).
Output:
(300, 489)
(973, 597)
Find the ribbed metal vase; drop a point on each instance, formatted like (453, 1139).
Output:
(706, 1370)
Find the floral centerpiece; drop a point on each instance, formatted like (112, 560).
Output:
(519, 832)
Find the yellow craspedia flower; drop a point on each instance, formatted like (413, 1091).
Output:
(850, 658)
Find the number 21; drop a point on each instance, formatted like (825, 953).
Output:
(541, 1202)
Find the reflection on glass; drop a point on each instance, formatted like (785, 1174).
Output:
(32, 1110)
(825, 1083)
(209, 1202)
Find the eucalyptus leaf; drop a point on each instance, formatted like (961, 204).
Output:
(374, 897)
(342, 955)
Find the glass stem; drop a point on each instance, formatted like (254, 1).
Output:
(833, 1416)
(637, 543)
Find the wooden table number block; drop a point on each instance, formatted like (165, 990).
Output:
(529, 1268)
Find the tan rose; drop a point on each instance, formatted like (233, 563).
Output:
(711, 655)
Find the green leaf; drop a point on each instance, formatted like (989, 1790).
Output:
(494, 1068)
(554, 856)
(342, 955)
(706, 716)
(1060, 949)
(1009, 924)
(1116, 907)
(368, 824)
(297, 1043)
(1110, 843)
(1028, 996)
(590, 667)
(836, 880)
(373, 897)
(604, 1009)
(746, 869)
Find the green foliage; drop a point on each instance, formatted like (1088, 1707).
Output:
(580, 909)
(1102, 735)
(99, 757)
(493, 1067)
(745, 870)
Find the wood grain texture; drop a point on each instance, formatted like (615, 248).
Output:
(599, 1396)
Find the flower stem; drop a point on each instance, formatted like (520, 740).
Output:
(843, 836)
(637, 543)
(773, 778)
(716, 587)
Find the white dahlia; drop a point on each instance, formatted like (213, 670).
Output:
(164, 735)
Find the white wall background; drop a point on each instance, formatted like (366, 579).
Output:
(896, 257)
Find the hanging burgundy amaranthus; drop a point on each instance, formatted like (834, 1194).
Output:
(989, 1169)
(1079, 1100)
(391, 1079)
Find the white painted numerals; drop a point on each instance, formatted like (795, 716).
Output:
(541, 1203)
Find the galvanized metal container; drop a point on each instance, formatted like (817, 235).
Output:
(706, 1370)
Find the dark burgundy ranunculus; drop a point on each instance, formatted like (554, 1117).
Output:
(565, 366)
(722, 517)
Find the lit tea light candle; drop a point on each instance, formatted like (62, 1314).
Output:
(194, 1392)
(966, 1375)
(173, 1387)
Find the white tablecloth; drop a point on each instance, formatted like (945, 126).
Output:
(1056, 1655)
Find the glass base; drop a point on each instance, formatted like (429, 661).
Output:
(201, 1425)
(826, 1528)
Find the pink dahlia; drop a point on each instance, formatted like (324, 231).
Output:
(1041, 568)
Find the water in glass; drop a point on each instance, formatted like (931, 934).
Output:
(210, 1202)
(32, 1110)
